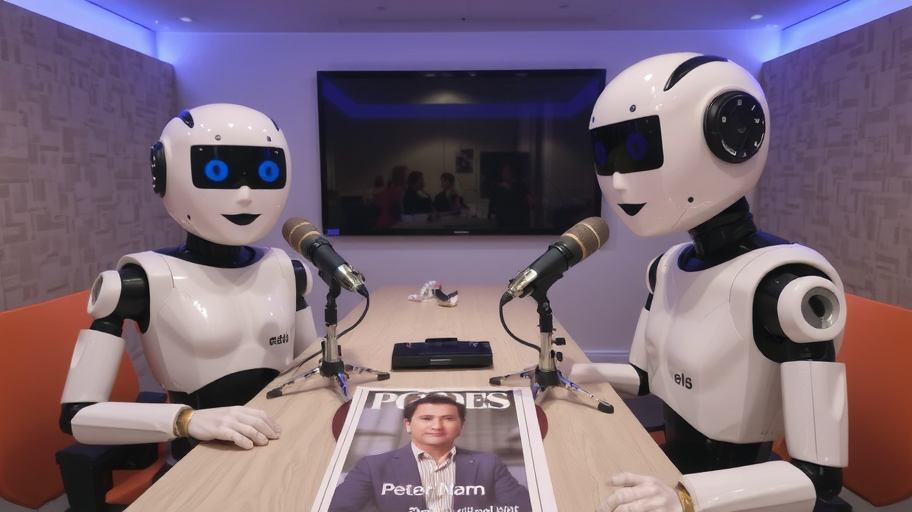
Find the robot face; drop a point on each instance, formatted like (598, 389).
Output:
(676, 139)
(228, 173)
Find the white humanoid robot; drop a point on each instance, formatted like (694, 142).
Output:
(219, 319)
(740, 329)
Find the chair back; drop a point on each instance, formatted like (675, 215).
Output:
(36, 347)
(877, 352)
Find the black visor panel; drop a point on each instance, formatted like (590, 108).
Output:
(229, 167)
(629, 146)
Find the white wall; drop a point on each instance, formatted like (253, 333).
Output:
(597, 302)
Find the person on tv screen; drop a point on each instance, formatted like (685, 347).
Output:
(431, 473)
(389, 200)
(448, 201)
(511, 201)
(415, 200)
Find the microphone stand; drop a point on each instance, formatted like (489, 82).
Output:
(546, 374)
(331, 364)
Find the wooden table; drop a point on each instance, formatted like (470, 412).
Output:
(584, 447)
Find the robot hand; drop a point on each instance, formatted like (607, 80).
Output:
(244, 426)
(640, 493)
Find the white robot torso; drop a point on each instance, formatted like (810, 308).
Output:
(209, 322)
(701, 356)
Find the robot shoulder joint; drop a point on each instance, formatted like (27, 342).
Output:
(811, 309)
(105, 294)
(123, 292)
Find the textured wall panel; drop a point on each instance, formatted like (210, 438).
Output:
(77, 117)
(839, 175)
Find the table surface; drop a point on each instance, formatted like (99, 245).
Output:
(583, 446)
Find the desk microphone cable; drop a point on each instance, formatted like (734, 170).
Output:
(343, 333)
(504, 323)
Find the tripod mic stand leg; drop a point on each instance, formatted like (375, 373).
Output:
(277, 392)
(336, 370)
(541, 380)
(528, 373)
(342, 377)
(602, 405)
(359, 370)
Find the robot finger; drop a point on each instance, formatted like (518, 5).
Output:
(240, 440)
(626, 479)
(622, 497)
(252, 434)
(263, 425)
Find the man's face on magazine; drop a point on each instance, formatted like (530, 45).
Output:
(435, 425)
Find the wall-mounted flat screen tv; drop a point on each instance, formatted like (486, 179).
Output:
(457, 152)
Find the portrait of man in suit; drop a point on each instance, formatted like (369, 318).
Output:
(431, 473)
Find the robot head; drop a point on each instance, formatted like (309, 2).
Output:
(223, 172)
(676, 139)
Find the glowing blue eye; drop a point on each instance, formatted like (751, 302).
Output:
(269, 171)
(599, 152)
(216, 170)
(637, 147)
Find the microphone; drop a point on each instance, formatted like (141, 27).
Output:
(304, 238)
(575, 245)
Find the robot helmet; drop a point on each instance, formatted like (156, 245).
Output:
(223, 172)
(678, 138)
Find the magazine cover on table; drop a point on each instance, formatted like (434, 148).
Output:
(499, 462)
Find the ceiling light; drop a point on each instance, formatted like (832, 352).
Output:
(186, 19)
(756, 16)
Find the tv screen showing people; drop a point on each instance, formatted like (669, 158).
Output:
(460, 152)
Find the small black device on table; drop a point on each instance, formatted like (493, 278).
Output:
(441, 353)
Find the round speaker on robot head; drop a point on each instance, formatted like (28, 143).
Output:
(159, 169)
(734, 126)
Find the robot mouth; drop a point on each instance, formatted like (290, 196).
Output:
(242, 219)
(631, 209)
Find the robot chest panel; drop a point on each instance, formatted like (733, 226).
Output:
(702, 359)
(213, 312)
(690, 318)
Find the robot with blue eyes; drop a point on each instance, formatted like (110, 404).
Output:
(740, 329)
(219, 318)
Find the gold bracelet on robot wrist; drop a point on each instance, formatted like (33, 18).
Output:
(182, 423)
(684, 496)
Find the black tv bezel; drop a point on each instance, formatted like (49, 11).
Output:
(598, 73)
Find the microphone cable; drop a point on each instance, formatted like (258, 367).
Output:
(367, 303)
(319, 352)
(503, 322)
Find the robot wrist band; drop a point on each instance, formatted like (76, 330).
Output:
(684, 496)
(182, 423)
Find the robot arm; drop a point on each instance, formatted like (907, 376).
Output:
(805, 312)
(811, 313)
(86, 412)
(305, 329)
(815, 421)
